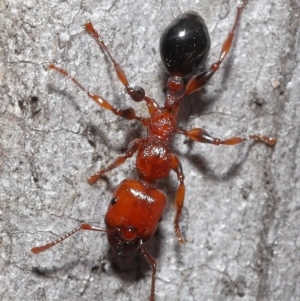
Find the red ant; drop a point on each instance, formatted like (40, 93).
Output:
(137, 206)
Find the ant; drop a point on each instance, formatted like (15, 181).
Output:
(137, 206)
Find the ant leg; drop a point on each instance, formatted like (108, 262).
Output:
(137, 93)
(152, 262)
(200, 135)
(179, 199)
(47, 246)
(127, 113)
(198, 81)
(133, 147)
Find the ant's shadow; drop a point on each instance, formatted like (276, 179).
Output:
(129, 268)
(135, 267)
(196, 105)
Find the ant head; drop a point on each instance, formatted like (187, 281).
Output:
(184, 45)
(133, 215)
(123, 240)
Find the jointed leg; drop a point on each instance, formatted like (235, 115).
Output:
(137, 93)
(179, 199)
(127, 114)
(134, 146)
(47, 246)
(199, 81)
(200, 135)
(152, 262)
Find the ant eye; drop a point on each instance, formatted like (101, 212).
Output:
(113, 201)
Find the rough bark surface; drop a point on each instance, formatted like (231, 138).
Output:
(241, 217)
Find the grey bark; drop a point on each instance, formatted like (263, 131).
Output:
(241, 216)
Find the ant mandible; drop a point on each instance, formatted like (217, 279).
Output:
(137, 206)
